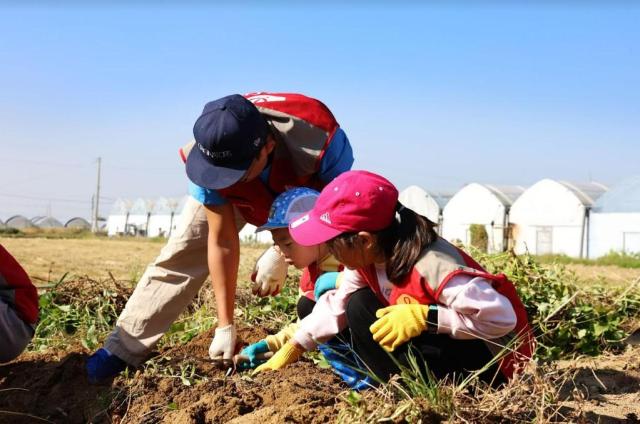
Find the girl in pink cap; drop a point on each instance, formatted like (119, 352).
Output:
(404, 284)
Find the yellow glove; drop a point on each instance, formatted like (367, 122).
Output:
(397, 324)
(276, 341)
(287, 354)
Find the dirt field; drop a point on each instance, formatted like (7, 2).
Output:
(49, 259)
(53, 386)
(613, 276)
(179, 384)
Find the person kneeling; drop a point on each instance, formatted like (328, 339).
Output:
(404, 284)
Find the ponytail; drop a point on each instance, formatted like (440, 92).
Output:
(403, 241)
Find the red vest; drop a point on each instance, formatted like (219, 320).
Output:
(16, 288)
(303, 127)
(437, 265)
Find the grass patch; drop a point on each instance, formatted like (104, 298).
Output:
(622, 260)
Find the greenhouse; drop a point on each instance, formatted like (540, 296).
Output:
(615, 220)
(18, 222)
(429, 204)
(484, 208)
(552, 217)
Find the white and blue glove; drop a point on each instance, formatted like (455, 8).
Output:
(254, 353)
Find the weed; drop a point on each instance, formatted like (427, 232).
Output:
(567, 319)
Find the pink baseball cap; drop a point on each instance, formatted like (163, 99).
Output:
(353, 201)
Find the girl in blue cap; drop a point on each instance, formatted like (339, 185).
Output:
(320, 274)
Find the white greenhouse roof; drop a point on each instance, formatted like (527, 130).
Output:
(588, 193)
(506, 194)
(18, 221)
(142, 206)
(623, 197)
(121, 207)
(77, 222)
(168, 205)
(46, 222)
(441, 199)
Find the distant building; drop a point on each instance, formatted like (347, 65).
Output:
(46, 222)
(480, 204)
(428, 204)
(79, 223)
(19, 222)
(552, 217)
(615, 220)
(248, 235)
(163, 220)
(118, 219)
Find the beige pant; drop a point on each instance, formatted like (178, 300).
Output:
(167, 287)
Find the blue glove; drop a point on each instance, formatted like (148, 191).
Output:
(324, 283)
(346, 365)
(103, 365)
(252, 351)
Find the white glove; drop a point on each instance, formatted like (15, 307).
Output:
(269, 273)
(223, 345)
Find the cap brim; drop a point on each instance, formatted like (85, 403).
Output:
(204, 174)
(270, 227)
(310, 231)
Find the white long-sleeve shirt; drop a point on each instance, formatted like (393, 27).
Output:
(467, 309)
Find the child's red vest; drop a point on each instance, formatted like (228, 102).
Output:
(437, 265)
(16, 288)
(303, 127)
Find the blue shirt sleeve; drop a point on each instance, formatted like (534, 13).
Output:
(338, 157)
(206, 196)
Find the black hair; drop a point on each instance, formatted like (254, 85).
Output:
(401, 242)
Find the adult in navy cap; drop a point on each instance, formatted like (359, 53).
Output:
(246, 151)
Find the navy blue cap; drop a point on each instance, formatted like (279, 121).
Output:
(229, 135)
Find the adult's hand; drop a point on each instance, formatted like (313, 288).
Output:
(269, 273)
(223, 345)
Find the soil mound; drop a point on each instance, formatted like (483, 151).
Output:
(178, 385)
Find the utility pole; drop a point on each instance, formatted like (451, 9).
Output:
(96, 202)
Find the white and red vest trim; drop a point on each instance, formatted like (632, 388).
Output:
(437, 265)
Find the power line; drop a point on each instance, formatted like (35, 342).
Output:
(57, 199)
(40, 162)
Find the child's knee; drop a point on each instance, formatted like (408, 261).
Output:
(304, 306)
(361, 309)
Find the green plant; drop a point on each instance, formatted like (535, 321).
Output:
(272, 311)
(8, 231)
(81, 309)
(567, 319)
(479, 237)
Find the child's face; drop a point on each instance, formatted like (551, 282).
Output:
(294, 253)
(359, 253)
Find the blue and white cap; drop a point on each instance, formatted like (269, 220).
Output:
(289, 206)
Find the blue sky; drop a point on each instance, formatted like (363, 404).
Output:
(437, 96)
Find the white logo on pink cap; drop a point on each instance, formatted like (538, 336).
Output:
(298, 222)
(325, 217)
